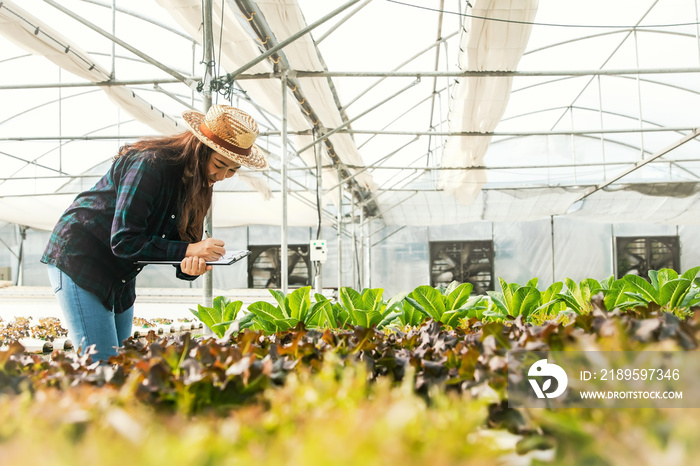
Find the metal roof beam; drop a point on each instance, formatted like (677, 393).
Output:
(187, 80)
(143, 18)
(264, 56)
(390, 133)
(425, 50)
(389, 74)
(341, 22)
(264, 33)
(676, 163)
(641, 163)
(470, 73)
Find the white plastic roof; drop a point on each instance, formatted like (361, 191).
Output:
(442, 112)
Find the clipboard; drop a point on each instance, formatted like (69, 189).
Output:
(228, 258)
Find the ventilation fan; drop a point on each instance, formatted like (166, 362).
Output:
(639, 255)
(465, 262)
(264, 266)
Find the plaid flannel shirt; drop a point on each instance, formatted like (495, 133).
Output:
(130, 214)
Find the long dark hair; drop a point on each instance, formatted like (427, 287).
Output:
(186, 150)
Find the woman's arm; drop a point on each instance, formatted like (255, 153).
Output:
(194, 266)
(210, 249)
(139, 183)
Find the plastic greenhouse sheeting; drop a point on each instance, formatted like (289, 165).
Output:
(444, 112)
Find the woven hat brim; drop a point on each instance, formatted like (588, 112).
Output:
(256, 159)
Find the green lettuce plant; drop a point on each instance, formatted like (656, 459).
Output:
(446, 305)
(410, 315)
(665, 288)
(366, 308)
(296, 308)
(325, 314)
(514, 300)
(577, 296)
(220, 316)
(619, 294)
(524, 300)
(290, 310)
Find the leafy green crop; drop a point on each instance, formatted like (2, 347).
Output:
(367, 309)
(526, 301)
(452, 304)
(668, 290)
(515, 300)
(290, 310)
(445, 305)
(302, 393)
(578, 296)
(297, 308)
(220, 316)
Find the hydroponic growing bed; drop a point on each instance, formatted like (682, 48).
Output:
(415, 379)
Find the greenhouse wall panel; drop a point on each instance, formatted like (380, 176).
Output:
(33, 271)
(690, 252)
(644, 229)
(266, 234)
(523, 250)
(582, 249)
(8, 249)
(400, 258)
(462, 232)
(401, 261)
(235, 276)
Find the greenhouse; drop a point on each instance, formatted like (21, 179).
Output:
(427, 149)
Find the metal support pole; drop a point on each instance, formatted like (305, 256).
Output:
(639, 97)
(114, 33)
(602, 136)
(318, 285)
(353, 246)
(319, 195)
(369, 255)
(19, 279)
(362, 247)
(340, 239)
(613, 245)
(206, 103)
(284, 279)
(551, 228)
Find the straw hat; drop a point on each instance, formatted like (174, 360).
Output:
(230, 132)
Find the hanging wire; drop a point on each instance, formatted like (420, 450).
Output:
(224, 85)
(203, 61)
(318, 176)
(218, 85)
(670, 25)
(221, 41)
(317, 155)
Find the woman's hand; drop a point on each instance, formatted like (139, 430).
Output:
(210, 249)
(194, 266)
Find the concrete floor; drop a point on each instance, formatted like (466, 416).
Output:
(171, 303)
(151, 303)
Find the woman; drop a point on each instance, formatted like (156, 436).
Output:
(149, 206)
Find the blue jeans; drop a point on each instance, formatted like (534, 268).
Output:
(89, 322)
